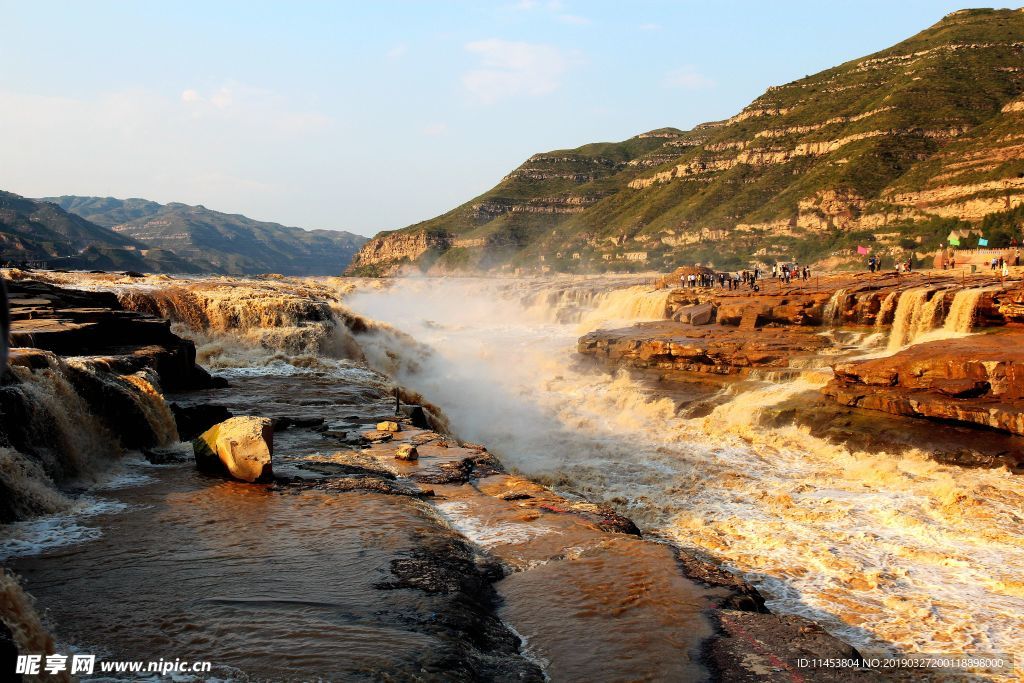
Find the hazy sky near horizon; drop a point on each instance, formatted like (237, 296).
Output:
(369, 116)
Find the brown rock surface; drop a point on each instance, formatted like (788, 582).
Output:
(72, 322)
(977, 380)
(699, 349)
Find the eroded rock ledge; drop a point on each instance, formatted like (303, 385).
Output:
(977, 380)
(700, 350)
(713, 335)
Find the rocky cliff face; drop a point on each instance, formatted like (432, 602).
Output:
(384, 254)
(873, 151)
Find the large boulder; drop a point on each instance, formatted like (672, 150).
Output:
(241, 446)
(697, 314)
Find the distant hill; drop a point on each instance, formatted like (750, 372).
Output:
(889, 151)
(218, 242)
(40, 232)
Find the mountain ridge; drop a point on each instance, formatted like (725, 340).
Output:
(218, 242)
(808, 170)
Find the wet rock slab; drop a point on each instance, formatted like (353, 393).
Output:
(578, 579)
(977, 380)
(701, 350)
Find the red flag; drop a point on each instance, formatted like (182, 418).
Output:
(862, 250)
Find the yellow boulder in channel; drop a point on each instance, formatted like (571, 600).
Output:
(388, 426)
(407, 452)
(241, 446)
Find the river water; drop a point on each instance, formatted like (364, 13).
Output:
(891, 552)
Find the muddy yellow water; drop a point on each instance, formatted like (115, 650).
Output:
(892, 552)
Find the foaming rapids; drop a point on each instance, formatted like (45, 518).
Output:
(891, 552)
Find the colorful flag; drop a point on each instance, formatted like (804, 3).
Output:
(982, 242)
(955, 241)
(862, 250)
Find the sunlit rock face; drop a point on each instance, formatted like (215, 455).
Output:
(977, 380)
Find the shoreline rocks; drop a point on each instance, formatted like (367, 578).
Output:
(701, 350)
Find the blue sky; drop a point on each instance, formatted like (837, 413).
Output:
(374, 115)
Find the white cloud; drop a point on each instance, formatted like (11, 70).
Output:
(243, 104)
(397, 52)
(650, 27)
(512, 69)
(688, 78)
(573, 19)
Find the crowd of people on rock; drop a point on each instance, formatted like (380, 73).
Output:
(875, 265)
(784, 272)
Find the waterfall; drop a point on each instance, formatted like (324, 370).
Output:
(18, 614)
(834, 308)
(917, 317)
(962, 310)
(60, 420)
(26, 488)
(930, 316)
(629, 304)
(739, 481)
(885, 312)
(59, 427)
(906, 317)
(235, 324)
(151, 402)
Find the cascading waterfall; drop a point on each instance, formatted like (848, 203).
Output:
(23, 622)
(151, 402)
(834, 308)
(906, 318)
(66, 435)
(55, 436)
(920, 318)
(962, 310)
(628, 304)
(565, 304)
(931, 315)
(26, 488)
(236, 324)
(885, 311)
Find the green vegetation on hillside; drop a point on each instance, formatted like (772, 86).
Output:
(809, 170)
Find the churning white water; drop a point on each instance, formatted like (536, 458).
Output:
(890, 553)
